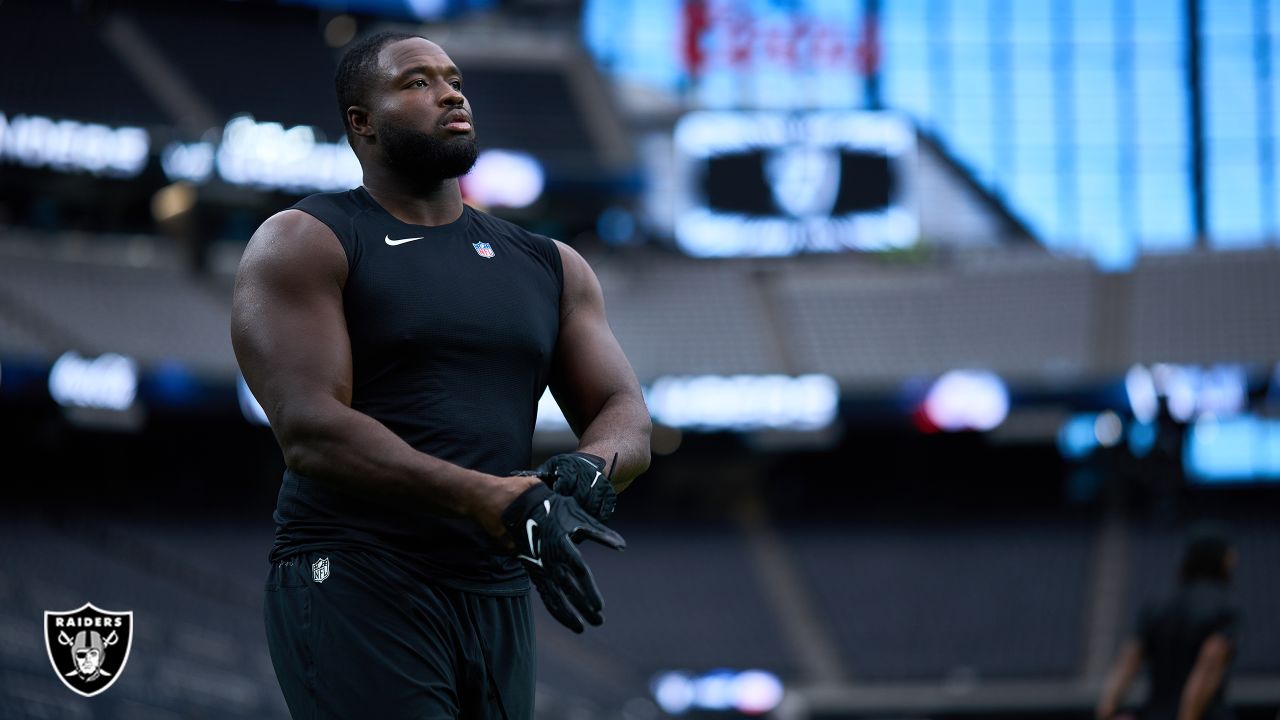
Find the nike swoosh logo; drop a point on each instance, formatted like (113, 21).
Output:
(393, 243)
(528, 528)
(591, 465)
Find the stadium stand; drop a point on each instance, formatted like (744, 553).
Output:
(978, 599)
(17, 340)
(685, 600)
(982, 599)
(87, 83)
(715, 311)
(1027, 321)
(1031, 317)
(1205, 307)
(155, 315)
(193, 654)
(279, 70)
(276, 67)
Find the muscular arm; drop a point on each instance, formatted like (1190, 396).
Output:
(592, 380)
(290, 338)
(1121, 677)
(1205, 678)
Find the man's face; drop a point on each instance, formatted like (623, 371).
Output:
(87, 660)
(422, 119)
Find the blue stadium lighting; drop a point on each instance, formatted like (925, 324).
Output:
(1245, 448)
(1140, 389)
(504, 178)
(616, 226)
(714, 691)
(703, 134)
(1273, 388)
(801, 165)
(757, 692)
(750, 692)
(673, 692)
(1190, 391)
(71, 146)
(267, 155)
(1223, 391)
(107, 382)
(967, 400)
(1077, 437)
(1107, 429)
(249, 405)
(702, 233)
(172, 383)
(744, 402)
(1142, 437)
(192, 162)
(1177, 383)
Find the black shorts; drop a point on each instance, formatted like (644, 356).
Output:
(357, 637)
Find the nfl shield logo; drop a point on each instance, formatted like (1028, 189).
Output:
(88, 647)
(320, 570)
(483, 249)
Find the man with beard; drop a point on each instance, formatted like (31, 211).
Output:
(399, 342)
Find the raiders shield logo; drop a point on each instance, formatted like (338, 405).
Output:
(88, 647)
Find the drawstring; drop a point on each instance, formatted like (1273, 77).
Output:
(472, 606)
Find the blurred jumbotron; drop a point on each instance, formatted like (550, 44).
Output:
(952, 317)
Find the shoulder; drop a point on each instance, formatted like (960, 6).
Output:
(338, 211)
(537, 246)
(291, 228)
(580, 288)
(345, 202)
(497, 226)
(294, 241)
(576, 268)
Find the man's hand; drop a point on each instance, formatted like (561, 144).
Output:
(545, 526)
(582, 477)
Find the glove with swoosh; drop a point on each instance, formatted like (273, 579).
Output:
(582, 477)
(545, 527)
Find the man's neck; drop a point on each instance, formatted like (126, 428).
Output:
(430, 205)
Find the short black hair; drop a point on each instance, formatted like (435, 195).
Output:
(358, 70)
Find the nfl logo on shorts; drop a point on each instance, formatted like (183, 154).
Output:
(320, 570)
(483, 249)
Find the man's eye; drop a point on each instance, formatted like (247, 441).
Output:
(419, 83)
(457, 84)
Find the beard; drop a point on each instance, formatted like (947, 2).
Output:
(425, 159)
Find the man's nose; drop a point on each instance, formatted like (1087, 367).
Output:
(452, 97)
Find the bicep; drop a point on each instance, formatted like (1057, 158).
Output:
(288, 327)
(589, 366)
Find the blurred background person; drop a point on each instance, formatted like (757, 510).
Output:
(1186, 641)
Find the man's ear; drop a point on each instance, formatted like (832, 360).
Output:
(359, 120)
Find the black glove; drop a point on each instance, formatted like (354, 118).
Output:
(582, 477)
(544, 527)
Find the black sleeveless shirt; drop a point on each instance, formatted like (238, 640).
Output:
(452, 331)
(1172, 634)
